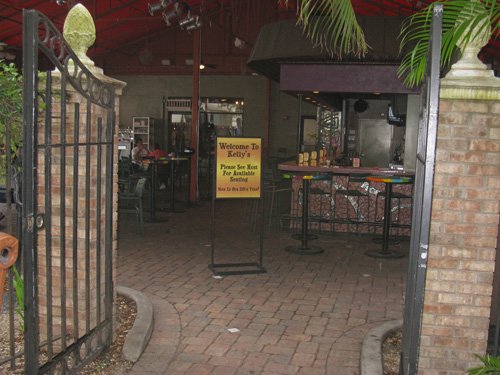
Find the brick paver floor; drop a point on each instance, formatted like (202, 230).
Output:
(306, 315)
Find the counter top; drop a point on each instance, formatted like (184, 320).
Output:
(292, 166)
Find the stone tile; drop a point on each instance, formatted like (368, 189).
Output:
(280, 368)
(217, 349)
(256, 361)
(307, 315)
(303, 359)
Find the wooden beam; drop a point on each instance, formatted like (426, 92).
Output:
(342, 78)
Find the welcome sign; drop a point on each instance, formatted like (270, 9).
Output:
(238, 167)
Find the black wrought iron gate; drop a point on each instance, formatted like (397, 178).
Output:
(424, 176)
(67, 204)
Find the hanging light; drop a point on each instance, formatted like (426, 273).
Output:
(185, 22)
(190, 23)
(156, 7)
(195, 25)
(168, 16)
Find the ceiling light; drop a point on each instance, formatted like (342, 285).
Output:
(190, 23)
(168, 16)
(315, 92)
(185, 22)
(155, 7)
(239, 43)
(202, 66)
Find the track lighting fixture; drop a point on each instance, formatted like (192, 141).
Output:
(156, 7)
(190, 23)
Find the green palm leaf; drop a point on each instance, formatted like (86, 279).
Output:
(332, 24)
(491, 366)
(461, 20)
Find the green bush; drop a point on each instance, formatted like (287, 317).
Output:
(11, 113)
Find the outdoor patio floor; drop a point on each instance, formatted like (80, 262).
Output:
(307, 315)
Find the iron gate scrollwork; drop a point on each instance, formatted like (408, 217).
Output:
(424, 176)
(67, 216)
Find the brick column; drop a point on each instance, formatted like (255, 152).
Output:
(95, 224)
(75, 231)
(464, 223)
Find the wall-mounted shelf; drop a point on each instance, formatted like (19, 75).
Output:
(143, 128)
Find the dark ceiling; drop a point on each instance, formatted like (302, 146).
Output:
(131, 41)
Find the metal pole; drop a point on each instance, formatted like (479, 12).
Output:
(299, 125)
(164, 123)
(267, 119)
(30, 68)
(195, 106)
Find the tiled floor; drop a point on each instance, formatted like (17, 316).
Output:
(306, 315)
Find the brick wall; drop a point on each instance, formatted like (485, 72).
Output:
(464, 226)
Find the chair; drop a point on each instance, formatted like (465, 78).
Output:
(126, 175)
(131, 203)
(354, 193)
(273, 187)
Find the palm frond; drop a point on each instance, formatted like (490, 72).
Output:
(491, 366)
(462, 19)
(332, 24)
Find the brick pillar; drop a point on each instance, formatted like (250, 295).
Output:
(464, 224)
(96, 224)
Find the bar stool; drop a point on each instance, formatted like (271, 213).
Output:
(353, 194)
(304, 236)
(389, 181)
(398, 196)
(318, 192)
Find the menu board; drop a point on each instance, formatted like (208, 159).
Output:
(238, 167)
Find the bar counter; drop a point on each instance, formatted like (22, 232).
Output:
(292, 166)
(362, 211)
